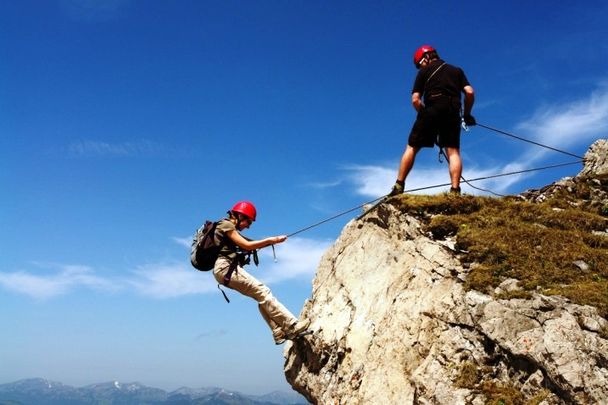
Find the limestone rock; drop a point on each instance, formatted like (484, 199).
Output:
(596, 160)
(588, 188)
(393, 325)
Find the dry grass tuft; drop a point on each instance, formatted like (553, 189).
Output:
(549, 247)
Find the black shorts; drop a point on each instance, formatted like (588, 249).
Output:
(436, 125)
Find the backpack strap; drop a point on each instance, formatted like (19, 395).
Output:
(233, 267)
(223, 293)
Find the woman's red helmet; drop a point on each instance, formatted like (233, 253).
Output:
(246, 208)
(419, 54)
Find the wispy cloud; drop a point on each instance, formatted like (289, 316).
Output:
(376, 181)
(568, 125)
(371, 180)
(170, 280)
(562, 126)
(185, 242)
(65, 279)
(298, 258)
(325, 184)
(212, 334)
(92, 148)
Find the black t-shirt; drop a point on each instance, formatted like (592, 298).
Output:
(439, 80)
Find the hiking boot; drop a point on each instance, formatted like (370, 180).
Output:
(296, 329)
(396, 190)
(279, 338)
(455, 190)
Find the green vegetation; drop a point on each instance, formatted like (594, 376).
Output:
(549, 247)
(502, 394)
(556, 247)
(604, 333)
(471, 376)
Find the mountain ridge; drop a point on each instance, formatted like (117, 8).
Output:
(40, 391)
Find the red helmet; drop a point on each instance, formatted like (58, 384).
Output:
(246, 208)
(419, 54)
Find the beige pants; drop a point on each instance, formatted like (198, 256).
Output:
(278, 318)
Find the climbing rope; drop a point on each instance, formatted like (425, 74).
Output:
(487, 190)
(500, 131)
(428, 188)
(378, 200)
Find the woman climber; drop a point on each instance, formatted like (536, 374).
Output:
(228, 270)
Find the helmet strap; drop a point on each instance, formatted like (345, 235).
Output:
(234, 217)
(239, 217)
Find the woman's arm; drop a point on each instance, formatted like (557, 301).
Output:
(243, 243)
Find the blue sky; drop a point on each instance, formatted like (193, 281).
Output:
(126, 123)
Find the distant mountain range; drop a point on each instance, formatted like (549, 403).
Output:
(38, 391)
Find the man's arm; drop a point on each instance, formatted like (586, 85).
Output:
(417, 101)
(469, 99)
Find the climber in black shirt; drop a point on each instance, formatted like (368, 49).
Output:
(438, 121)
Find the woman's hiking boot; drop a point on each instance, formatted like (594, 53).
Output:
(297, 329)
(279, 338)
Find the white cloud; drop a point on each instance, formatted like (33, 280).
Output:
(212, 334)
(68, 278)
(171, 280)
(296, 258)
(185, 242)
(560, 126)
(370, 180)
(324, 185)
(499, 185)
(568, 125)
(376, 181)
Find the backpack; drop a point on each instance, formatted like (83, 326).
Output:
(205, 247)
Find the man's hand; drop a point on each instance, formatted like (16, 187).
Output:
(469, 120)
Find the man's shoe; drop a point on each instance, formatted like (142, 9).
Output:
(455, 190)
(396, 190)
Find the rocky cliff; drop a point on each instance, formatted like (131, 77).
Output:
(396, 320)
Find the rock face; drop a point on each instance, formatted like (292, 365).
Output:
(393, 324)
(596, 160)
(587, 188)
